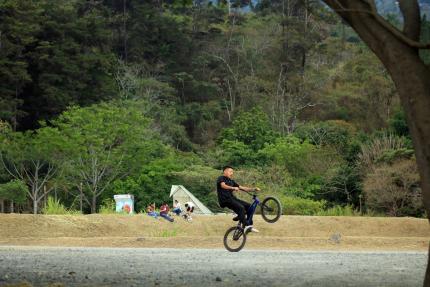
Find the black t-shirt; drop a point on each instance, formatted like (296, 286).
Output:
(225, 194)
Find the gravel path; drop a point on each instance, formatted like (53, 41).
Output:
(208, 267)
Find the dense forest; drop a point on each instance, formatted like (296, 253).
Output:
(131, 96)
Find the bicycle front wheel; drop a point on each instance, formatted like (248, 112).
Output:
(234, 239)
(271, 209)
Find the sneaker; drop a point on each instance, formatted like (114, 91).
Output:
(250, 228)
(247, 229)
(253, 229)
(236, 218)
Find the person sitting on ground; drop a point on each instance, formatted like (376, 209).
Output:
(225, 187)
(164, 212)
(150, 210)
(177, 207)
(189, 209)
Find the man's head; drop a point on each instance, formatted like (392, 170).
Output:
(176, 201)
(228, 171)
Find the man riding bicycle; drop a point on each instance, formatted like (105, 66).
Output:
(225, 187)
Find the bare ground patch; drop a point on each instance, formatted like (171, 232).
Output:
(290, 232)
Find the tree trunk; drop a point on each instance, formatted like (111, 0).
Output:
(411, 77)
(94, 204)
(2, 205)
(415, 97)
(34, 207)
(11, 207)
(409, 73)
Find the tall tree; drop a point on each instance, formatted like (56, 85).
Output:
(107, 142)
(14, 191)
(34, 158)
(52, 54)
(18, 26)
(399, 50)
(72, 62)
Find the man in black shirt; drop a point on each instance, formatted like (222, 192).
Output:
(225, 187)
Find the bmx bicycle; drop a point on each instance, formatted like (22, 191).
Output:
(271, 210)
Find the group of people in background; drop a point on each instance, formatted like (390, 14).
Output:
(177, 209)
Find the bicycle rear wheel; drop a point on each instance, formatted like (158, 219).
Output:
(271, 209)
(234, 239)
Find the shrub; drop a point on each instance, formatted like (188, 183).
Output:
(252, 128)
(15, 190)
(389, 156)
(326, 133)
(305, 187)
(394, 189)
(107, 206)
(335, 133)
(288, 152)
(302, 159)
(235, 153)
(301, 206)
(398, 124)
(55, 207)
(385, 146)
(344, 186)
(338, 210)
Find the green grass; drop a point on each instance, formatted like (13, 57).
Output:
(55, 207)
(167, 233)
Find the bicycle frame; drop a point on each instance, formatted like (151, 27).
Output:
(251, 210)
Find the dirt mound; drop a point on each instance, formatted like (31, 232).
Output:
(294, 232)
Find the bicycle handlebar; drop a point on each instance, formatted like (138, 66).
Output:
(253, 192)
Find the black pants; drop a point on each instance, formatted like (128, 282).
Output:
(239, 206)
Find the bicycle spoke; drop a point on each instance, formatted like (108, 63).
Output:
(271, 209)
(234, 239)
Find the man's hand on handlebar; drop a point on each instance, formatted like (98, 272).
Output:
(248, 189)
